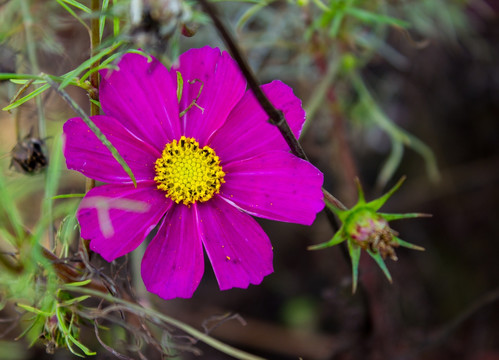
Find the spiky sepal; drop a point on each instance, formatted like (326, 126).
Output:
(364, 228)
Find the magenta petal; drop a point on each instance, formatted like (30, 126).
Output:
(173, 263)
(277, 186)
(143, 96)
(247, 131)
(222, 86)
(239, 251)
(117, 218)
(85, 153)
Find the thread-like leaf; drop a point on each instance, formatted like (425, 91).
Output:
(30, 96)
(92, 127)
(73, 14)
(102, 18)
(78, 5)
(370, 17)
(67, 196)
(86, 65)
(9, 211)
(249, 13)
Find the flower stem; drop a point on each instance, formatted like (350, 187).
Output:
(33, 61)
(42, 129)
(94, 76)
(319, 95)
(155, 316)
(276, 116)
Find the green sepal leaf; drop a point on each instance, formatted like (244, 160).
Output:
(379, 202)
(408, 245)
(391, 217)
(354, 251)
(381, 263)
(338, 238)
(362, 199)
(342, 214)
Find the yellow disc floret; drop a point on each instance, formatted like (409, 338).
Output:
(188, 173)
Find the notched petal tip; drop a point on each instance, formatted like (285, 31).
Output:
(173, 263)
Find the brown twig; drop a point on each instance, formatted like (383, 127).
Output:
(276, 116)
(94, 76)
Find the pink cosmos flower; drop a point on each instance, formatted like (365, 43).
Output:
(203, 165)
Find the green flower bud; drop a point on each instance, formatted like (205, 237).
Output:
(364, 228)
(371, 231)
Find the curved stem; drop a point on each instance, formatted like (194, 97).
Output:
(276, 116)
(317, 98)
(156, 316)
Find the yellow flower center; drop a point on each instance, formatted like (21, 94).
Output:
(188, 173)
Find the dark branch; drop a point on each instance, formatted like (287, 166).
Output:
(276, 116)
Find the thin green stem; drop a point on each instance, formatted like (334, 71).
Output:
(333, 200)
(42, 130)
(136, 261)
(156, 316)
(88, 121)
(94, 76)
(320, 92)
(33, 60)
(276, 116)
(396, 133)
(11, 76)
